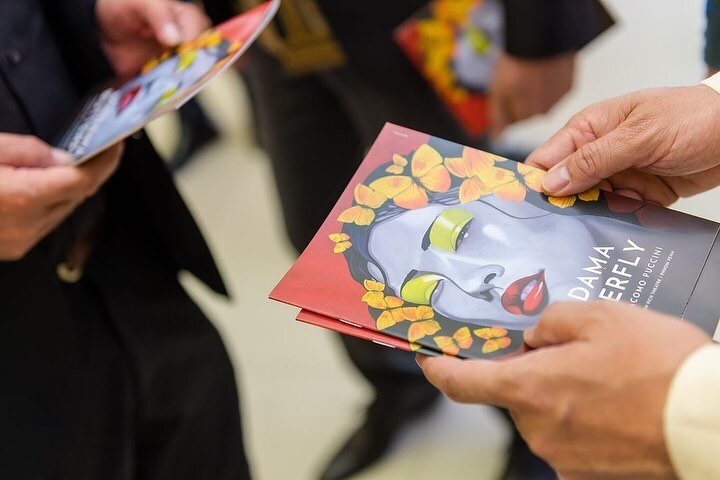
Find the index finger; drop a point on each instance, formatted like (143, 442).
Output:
(54, 185)
(586, 127)
(471, 381)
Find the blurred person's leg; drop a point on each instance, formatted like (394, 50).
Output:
(183, 407)
(315, 149)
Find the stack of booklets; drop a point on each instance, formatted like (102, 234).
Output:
(439, 248)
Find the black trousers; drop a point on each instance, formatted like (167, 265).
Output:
(316, 130)
(135, 383)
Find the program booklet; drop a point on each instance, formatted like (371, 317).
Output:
(443, 248)
(165, 83)
(455, 44)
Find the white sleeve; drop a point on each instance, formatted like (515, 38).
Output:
(692, 416)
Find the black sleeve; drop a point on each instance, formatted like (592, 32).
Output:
(544, 28)
(73, 23)
(219, 10)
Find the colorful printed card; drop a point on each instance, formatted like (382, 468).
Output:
(165, 83)
(454, 44)
(456, 250)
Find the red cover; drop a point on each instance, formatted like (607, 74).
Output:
(339, 326)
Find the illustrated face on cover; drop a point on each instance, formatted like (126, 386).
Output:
(489, 260)
(478, 45)
(436, 240)
(164, 80)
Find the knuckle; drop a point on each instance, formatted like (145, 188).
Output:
(588, 161)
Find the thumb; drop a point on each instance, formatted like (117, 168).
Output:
(590, 165)
(160, 16)
(26, 151)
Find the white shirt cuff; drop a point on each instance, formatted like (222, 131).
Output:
(692, 416)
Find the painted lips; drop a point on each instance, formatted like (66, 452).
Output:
(128, 98)
(527, 296)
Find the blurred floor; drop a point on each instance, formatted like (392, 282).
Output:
(299, 396)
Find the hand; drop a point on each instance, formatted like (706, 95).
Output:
(591, 399)
(656, 145)
(38, 189)
(133, 31)
(521, 88)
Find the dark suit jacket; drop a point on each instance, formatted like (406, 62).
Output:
(49, 57)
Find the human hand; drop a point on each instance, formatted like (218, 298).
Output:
(133, 31)
(39, 189)
(655, 145)
(522, 88)
(590, 400)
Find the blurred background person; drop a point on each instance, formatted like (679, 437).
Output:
(329, 74)
(109, 370)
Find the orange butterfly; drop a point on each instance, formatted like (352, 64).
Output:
(592, 195)
(532, 176)
(363, 214)
(482, 177)
(461, 340)
(342, 242)
(495, 339)
(419, 330)
(410, 192)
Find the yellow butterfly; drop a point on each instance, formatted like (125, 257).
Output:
(461, 340)
(398, 166)
(532, 176)
(342, 242)
(395, 314)
(482, 177)
(419, 330)
(410, 191)
(592, 195)
(363, 214)
(495, 339)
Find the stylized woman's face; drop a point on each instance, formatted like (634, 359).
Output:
(160, 85)
(478, 46)
(138, 99)
(486, 262)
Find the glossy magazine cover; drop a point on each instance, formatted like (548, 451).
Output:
(455, 250)
(165, 83)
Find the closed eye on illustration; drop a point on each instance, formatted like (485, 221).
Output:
(448, 230)
(418, 289)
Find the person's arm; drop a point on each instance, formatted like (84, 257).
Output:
(538, 65)
(692, 417)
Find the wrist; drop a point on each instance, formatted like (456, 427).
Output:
(713, 82)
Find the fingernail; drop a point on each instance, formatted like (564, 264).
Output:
(61, 157)
(171, 34)
(556, 179)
